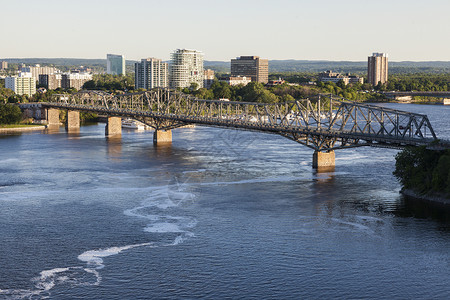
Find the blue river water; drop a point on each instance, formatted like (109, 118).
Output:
(218, 214)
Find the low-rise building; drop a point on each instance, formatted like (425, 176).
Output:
(237, 80)
(330, 76)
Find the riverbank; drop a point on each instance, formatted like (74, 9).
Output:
(21, 128)
(435, 199)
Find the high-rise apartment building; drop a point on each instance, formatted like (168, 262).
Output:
(151, 73)
(251, 66)
(186, 67)
(38, 70)
(3, 65)
(115, 64)
(377, 69)
(208, 78)
(23, 85)
(50, 81)
(74, 80)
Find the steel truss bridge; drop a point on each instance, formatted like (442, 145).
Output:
(323, 123)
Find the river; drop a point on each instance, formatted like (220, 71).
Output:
(218, 214)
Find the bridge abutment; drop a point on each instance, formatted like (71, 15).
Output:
(324, 160)
(162, 137)
(113, 126)
(73, 120)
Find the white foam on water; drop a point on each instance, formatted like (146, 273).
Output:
(164, 198)
(95, 257)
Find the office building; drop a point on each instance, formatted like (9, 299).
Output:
(377, 69)
(115, 64)
(251, 66)
(208, 78)
(151, 73)
(3, 65)
(74, 80)
(50, 81)
(24, 84)
(186, 67)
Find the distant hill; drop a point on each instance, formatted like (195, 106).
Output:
(275, 66)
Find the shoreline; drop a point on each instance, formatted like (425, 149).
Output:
(20, 129)
(426, 198)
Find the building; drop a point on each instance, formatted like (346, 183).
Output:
(50, 81)
(115, 64)
(237, 80)
(3, 65)
(151, 73)
(25, 84)
(251, 66)
(377, 68)
(38, 70)
(208, 78)
(74, 80)
(272, 83)
(330, 76)
(186, 67)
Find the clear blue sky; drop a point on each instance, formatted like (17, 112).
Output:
(283, 29)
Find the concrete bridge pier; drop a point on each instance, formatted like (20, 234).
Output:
(73, 120)
(53, 117)
(324, 161)
(162, 137)
(113, 127)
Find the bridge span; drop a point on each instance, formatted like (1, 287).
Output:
(324, 123)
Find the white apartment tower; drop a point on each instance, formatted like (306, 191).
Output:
(151, 73)
(115, 64)
(186, 67)
(23, 85)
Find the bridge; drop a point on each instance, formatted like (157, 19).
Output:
(324, 123)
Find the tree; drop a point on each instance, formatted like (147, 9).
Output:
(10, 114)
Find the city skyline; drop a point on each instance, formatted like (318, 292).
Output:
(347, 30)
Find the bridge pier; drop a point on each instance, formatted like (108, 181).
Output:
(53, 117)
(323, 161)
(162, 137)
(72, 120)
(113, 126)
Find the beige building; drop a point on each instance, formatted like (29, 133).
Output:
(50, 81)
(208, 78)
(74, 80)
(38, 70)
(377, 68)
(237, 80)
(3, 65)
(251, 66)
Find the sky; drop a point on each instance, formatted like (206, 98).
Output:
(342, 30)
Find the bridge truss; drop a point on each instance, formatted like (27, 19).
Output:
(322, 123)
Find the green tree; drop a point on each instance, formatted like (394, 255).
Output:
(10, 114)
